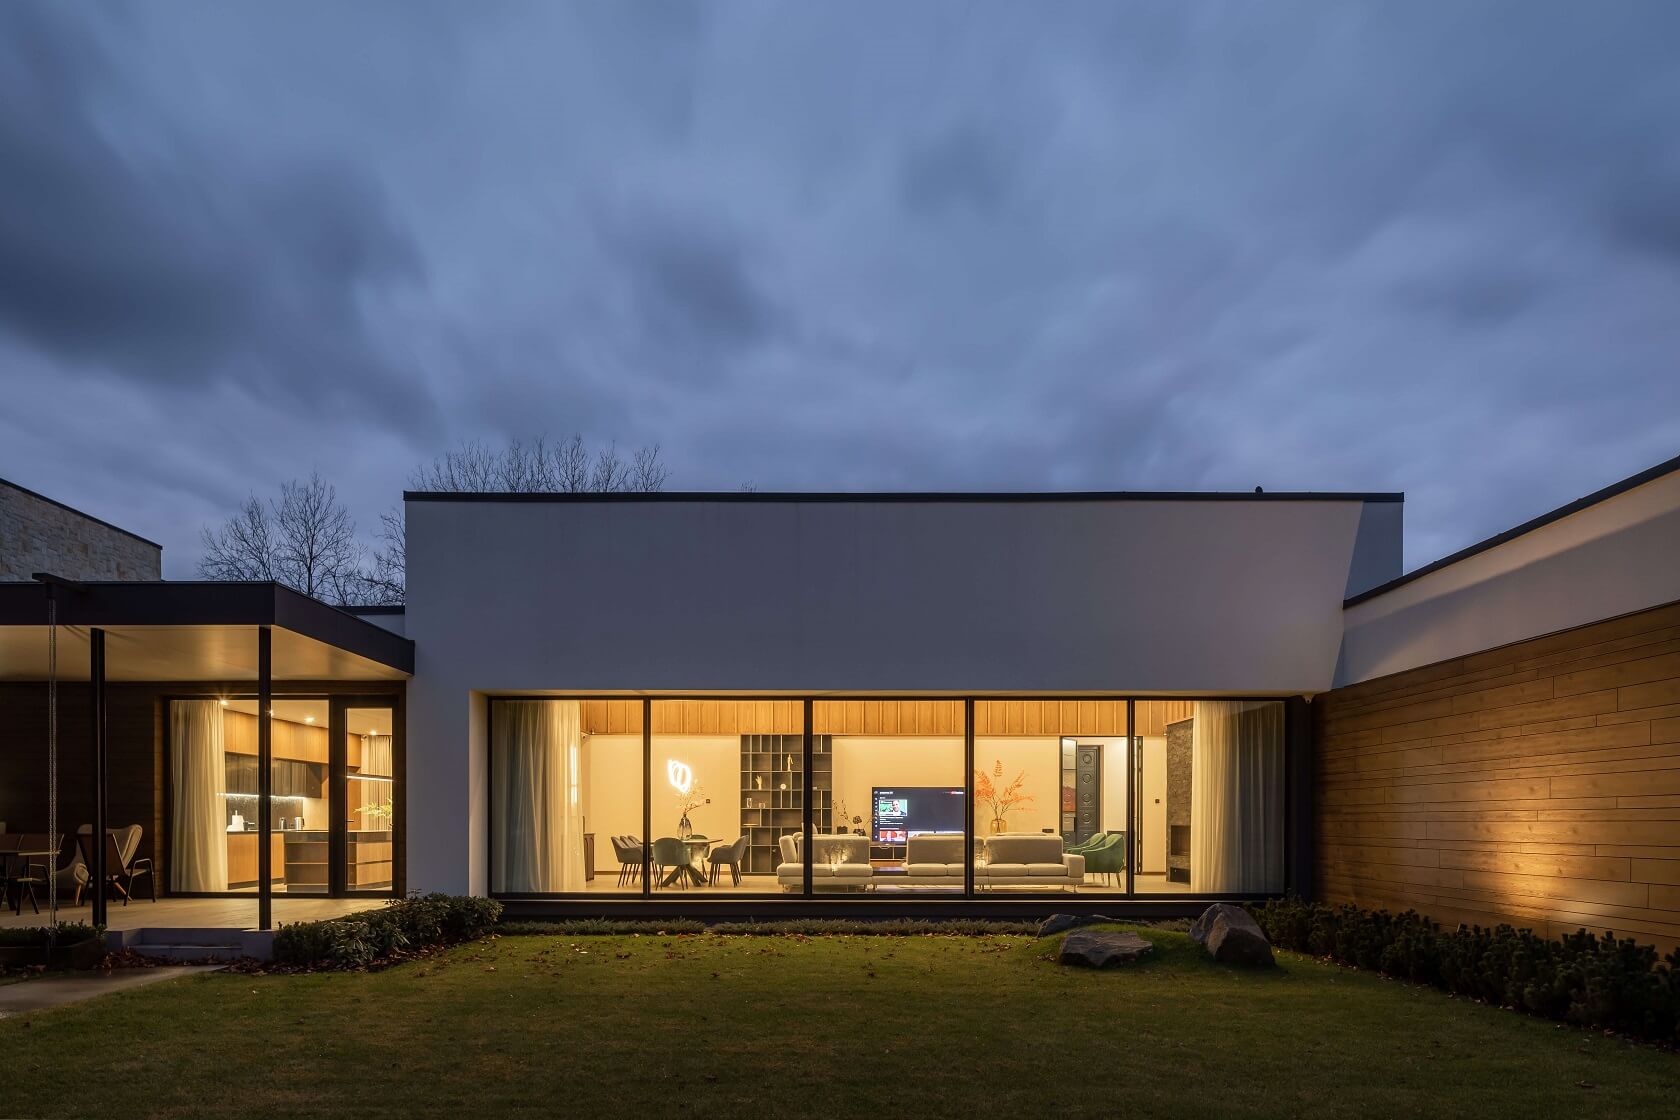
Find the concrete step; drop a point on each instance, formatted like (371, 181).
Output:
(189, 944)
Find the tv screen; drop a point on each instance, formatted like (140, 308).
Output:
(900, 812)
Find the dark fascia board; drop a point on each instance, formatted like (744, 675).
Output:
(944, 496)
(80, 513)
(188, 603)
(1650, 475)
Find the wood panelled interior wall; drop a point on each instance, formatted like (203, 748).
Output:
(880, 717)
(1536, 784)
(887, 717)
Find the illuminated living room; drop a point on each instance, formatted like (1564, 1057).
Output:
(714, 798)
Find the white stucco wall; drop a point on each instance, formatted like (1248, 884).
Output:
(762, 596)
(1612, 558)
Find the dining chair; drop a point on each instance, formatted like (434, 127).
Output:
(727, 855)
(669, 852)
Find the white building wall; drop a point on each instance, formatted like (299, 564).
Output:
(1232, 596)
(1612, 558)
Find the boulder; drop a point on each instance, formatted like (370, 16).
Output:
(1092, 948)
(1058, 923)
(1232, 936)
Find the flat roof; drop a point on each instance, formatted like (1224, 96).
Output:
(327, 638)
(1650, 474)
(79, 513)
(889, 496)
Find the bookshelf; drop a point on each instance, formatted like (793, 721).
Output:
(770, 812)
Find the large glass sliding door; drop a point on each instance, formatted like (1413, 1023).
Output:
(874, 798)
(324, 797)
(1209, 812)
(1052, 789)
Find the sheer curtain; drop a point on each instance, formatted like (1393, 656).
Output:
(535, 800)
(1236, 798)
(198, 774)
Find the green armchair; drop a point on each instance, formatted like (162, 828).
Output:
(1092, 841)
(1108, 858)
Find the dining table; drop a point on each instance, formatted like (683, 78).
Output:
(696, 846)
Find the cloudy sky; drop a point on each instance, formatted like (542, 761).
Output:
(1423, 247)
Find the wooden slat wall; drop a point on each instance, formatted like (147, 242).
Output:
(1537, 784)
(1049, 717)
(887, 717)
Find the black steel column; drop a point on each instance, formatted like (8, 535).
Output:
(808, 845)
(265, 778)
(96, 682)
(647, 798)
(968, 797)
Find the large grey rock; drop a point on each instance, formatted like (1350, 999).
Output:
(1091, 948)
(1056, 923)
(1232, 936)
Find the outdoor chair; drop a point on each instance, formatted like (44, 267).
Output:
(730, 856)
(121, 866)
(28, 871)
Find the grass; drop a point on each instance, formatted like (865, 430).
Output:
(838, 1027)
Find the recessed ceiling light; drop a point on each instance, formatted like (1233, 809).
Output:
(309, 719)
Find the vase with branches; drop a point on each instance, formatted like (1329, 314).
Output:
(1000, 799)
(687, 801)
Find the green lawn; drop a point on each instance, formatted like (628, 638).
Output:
(840, 1028)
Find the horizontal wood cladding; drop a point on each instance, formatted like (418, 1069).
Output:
(1536, 784)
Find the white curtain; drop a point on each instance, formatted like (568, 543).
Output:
(376, 760)
(198, 774)
(535, 799)
(1236, 797)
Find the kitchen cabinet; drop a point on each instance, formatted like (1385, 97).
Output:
(242, 859)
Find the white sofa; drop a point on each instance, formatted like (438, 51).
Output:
(1028, 859)
(1015, 859)
(841, 864)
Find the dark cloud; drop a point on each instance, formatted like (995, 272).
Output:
(133, 248)
(1348, 245)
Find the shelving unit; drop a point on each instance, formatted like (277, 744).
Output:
(770, 812)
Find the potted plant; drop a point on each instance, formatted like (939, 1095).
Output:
(1000, 799)
(77, 945)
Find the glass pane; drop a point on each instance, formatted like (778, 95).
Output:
(897, 824)
(369, 801)
(728, 794)
(566, 796)
(1050, 796)
(1210, 797)
(302, 819)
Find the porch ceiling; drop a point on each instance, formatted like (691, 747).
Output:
(193, 632)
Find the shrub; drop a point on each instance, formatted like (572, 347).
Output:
(1600, 982)
(814, 927)
(69, 933)
(406, 924)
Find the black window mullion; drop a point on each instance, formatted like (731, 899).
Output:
(1134, 768)
(647, 798)
(968, 797)
(806, 845)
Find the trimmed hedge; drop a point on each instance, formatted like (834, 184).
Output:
(69, 933)
(400, 927)
(1600, 982)
(602, 927)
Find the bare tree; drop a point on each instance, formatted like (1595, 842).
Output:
(383, 581)
(305, 539)
(538, 467)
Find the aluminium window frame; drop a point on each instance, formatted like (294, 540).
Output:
(703, 898)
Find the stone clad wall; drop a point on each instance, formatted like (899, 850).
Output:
(40, 535)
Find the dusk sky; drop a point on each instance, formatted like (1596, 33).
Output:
(1338, 246)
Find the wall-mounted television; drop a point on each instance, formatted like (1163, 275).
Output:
(900, 812)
